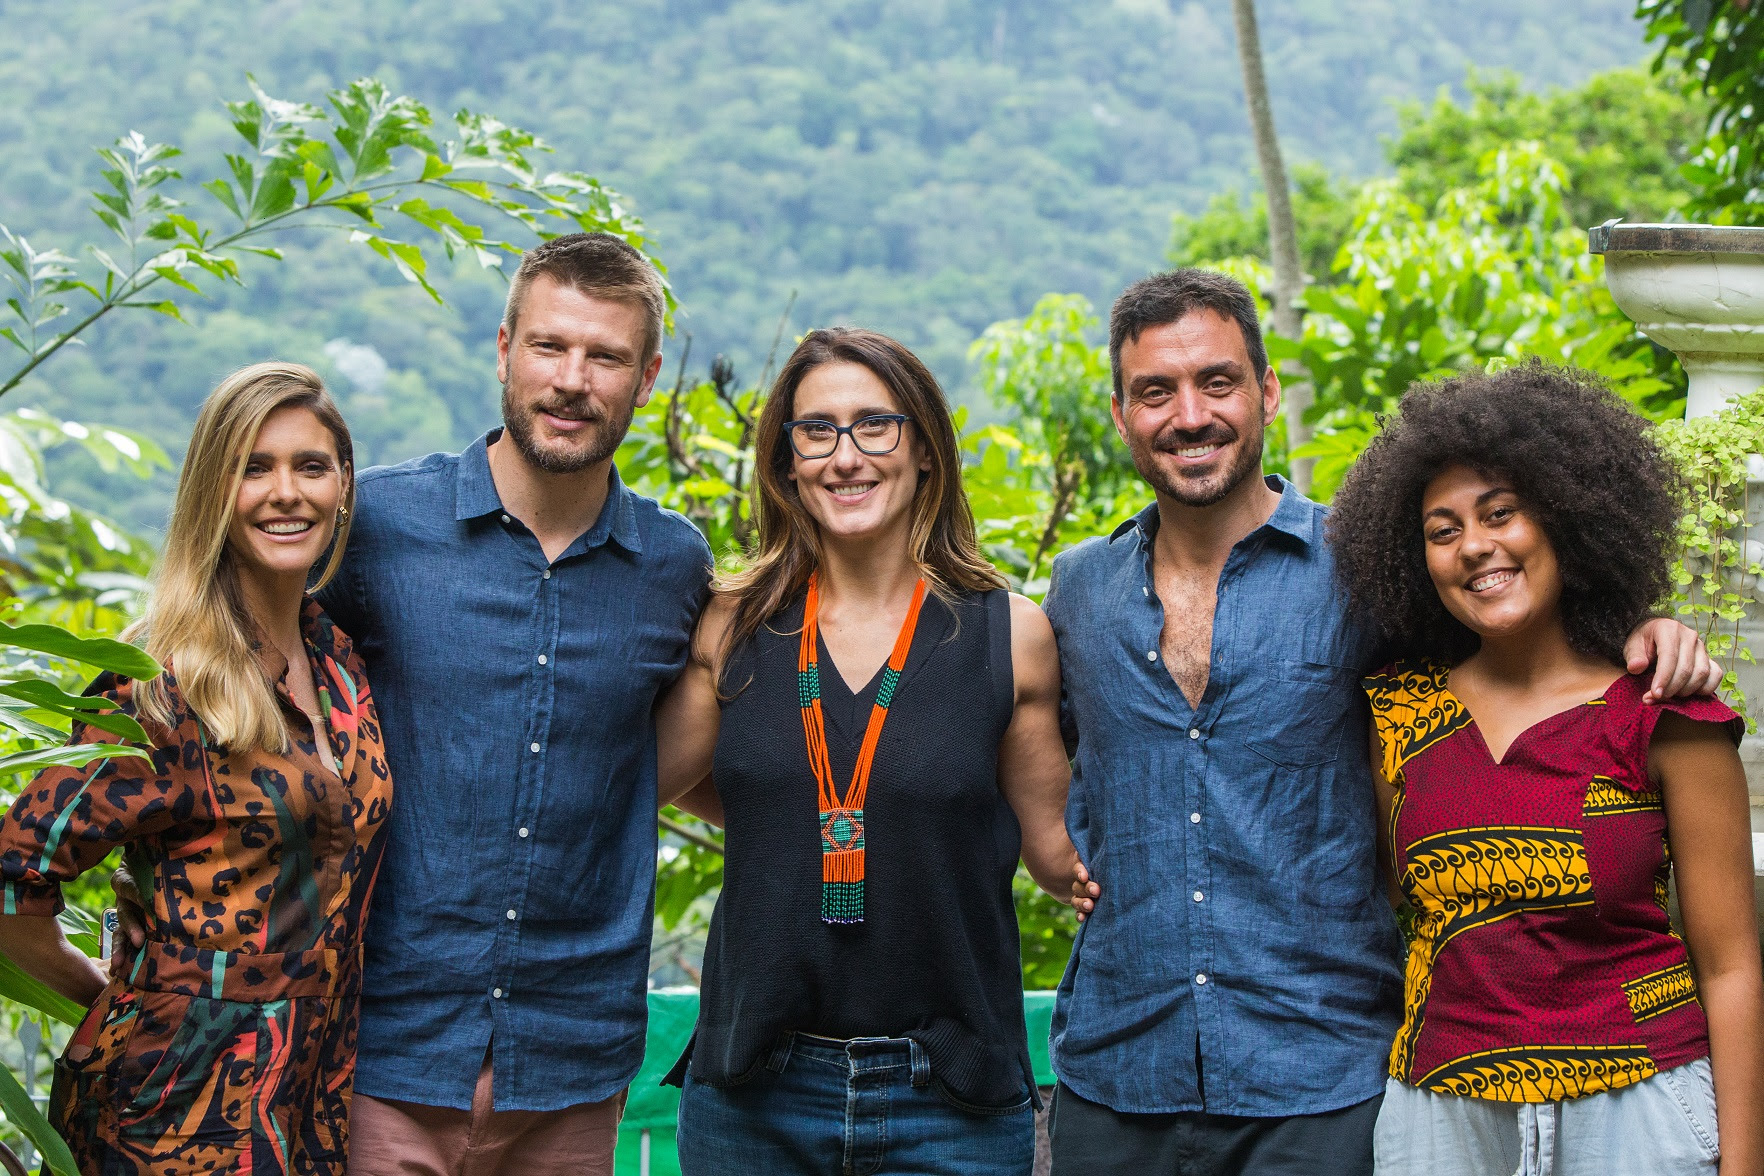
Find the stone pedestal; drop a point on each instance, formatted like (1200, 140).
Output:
(1699, 290)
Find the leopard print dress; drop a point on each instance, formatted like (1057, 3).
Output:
(226, 1045)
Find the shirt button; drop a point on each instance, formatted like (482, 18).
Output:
(523, 831)
(547, 574)
(1194, 732)
(533, 747)
(542, 659)
(505, 518)
(512, 916)
(1200, 977)
(1198, 896)
(497, 993)
(1193, 819)
(1145, 590)
(1151, 655)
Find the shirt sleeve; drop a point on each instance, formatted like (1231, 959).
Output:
(344, 598)
(1051, 605)
(1698, 709)
(67, 820)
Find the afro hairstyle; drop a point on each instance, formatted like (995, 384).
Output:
(1585, 467)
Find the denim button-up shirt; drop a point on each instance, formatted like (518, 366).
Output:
(516, 696)
(1243, 959)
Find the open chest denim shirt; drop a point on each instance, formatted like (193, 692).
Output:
(1243, 959)
(516, 698)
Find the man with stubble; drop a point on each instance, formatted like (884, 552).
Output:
(519, 609)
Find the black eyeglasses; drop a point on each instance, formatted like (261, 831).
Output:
(875, 435)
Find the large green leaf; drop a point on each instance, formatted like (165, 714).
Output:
(52, 698)
(118, 657)
(13, 718)
(22, 1113)
(15, 985)
(74, 755)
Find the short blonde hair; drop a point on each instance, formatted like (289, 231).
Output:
(196, 622)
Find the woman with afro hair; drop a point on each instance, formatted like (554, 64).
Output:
(1502, 536)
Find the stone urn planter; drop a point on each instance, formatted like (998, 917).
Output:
(1698, 290)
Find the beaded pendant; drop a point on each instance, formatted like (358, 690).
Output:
(842, 818)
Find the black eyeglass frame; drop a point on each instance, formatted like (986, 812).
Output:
(900, 420)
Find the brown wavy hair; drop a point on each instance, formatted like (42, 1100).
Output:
(788, 544)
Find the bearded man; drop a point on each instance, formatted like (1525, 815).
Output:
(1230, 1004)
(519, 610)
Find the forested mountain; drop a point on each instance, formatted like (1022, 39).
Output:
(922, 166)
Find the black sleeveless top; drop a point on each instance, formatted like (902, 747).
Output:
(936, 958)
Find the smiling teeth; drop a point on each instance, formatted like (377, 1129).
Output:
(1196, 451)
(287, 528)
(850, 488)
(1492, 580)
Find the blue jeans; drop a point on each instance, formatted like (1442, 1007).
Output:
(855, 1108)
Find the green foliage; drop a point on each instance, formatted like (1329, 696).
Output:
(1045, 928)
(1060, 457)
(369, 169)
(1621, 139)
(1485, 275)
(1720, 570)
(1322, 206)
(23, 1113)
(1720, 45)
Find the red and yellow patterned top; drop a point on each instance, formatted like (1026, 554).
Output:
(1543, 966)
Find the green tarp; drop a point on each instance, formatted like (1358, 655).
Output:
(651, 1108)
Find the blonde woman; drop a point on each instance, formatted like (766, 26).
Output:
(226, 1042)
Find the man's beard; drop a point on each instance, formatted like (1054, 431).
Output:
(598, 440)
(1204, 490)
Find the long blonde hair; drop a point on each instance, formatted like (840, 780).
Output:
(197, 624)
(788, 547)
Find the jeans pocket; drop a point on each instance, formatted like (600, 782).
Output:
(1693, 1090)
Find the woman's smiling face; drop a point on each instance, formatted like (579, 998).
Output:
(851, 493)
(1491, 562)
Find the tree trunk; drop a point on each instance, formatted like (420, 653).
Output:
(1289, 278)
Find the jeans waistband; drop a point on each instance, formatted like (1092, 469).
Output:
(858, 1054)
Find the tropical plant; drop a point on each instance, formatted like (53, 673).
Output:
(1720, 572)
(368, 167)
(1720, 46)
(1487, 274)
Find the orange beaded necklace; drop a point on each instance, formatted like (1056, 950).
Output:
(842, 819)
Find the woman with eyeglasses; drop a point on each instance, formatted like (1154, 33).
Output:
(881, 721)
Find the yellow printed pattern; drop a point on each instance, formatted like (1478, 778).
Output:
(1607, 798)
(1466, 878)
(1471, 877)
(1541, 1073)
(1662, 991)
(1412, 710)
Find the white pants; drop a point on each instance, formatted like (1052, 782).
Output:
(1664, 1126)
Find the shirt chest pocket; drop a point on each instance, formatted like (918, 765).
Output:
(1301, 713)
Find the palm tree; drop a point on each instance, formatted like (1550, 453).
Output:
(1289, 279)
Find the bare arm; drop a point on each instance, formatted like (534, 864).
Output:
(1707, 815)
(688, 717)
(1033, 772)
(1385, 794)
(37, 945)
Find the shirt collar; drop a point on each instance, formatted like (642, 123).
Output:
(475, 496)
(1293, 515)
